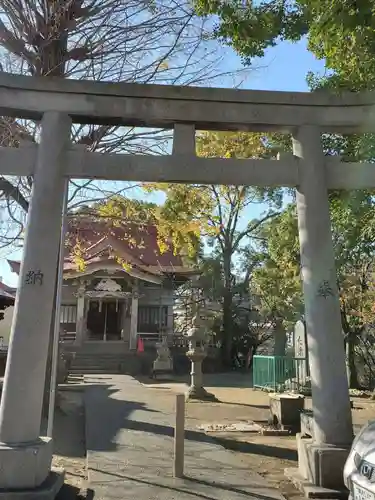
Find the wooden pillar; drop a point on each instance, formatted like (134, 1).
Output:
(81, 327)
(134, 318)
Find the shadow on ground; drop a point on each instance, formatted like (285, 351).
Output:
(121, 412)
(69, 492)
(222, 380)
(258, 449)
(106, 407)
(187, 482)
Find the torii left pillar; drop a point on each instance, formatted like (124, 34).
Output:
(25, 456)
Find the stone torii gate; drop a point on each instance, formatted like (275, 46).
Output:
(25, 456)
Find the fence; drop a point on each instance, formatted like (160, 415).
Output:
(279, 373)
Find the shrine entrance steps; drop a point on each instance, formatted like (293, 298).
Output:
(96, 363)
(107, 358)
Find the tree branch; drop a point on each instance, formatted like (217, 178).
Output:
(252, 228)
(11, 191)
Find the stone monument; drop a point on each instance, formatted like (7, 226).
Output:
(163, 364)
(301, 353)
(196, 354)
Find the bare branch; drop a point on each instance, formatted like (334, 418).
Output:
(113, 40)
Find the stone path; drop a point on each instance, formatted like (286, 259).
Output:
(129, 441)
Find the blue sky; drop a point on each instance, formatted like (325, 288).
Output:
(283, 68)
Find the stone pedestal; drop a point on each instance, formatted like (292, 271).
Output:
(286, 410)
(196, 355)
(320, 466)
(320, 469)
(196, 389)
(25, 458)
(32, 461)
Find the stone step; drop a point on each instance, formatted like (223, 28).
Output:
(110, 363)
(88, 371)
(97, 359)
(95, 362)
(99, 354)
(94, 367)
(88, 363)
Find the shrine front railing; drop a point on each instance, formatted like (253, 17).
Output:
(280, 373)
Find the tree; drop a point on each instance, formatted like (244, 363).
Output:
(249, 329)
(339, 31)
(215, 213)
(342, 33)
(353, 237)
(112, 40)
(277, 279)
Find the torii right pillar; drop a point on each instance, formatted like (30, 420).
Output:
(322, 456)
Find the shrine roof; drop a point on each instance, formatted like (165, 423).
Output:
(126, 245)
(7, 291)
(136, 241)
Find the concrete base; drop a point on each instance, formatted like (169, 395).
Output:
(162, 374)
(321, 464)
(312, 491)
(163, 365)
(48, 490)
(26, 465)
(199, 393)
(320, 469)
(285, 411)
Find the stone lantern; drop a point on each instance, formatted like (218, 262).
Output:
(196, 354)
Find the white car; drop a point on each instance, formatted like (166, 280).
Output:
(359, 470)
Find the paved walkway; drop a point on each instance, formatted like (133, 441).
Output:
(129, 440)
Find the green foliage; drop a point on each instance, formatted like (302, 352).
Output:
(118, 209)
(353, 237)
(215, 214)
(251, 28)
(115, 212)
(342, 33)
(276, 280)
(193, 211)
(339, 31)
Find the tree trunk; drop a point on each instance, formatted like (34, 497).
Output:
(350, 363)
(227, 314)
(279, 334)
(253, 353)
(227, 330)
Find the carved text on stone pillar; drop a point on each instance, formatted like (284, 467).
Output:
(300, 350)
(325, 290)
(34, 278)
